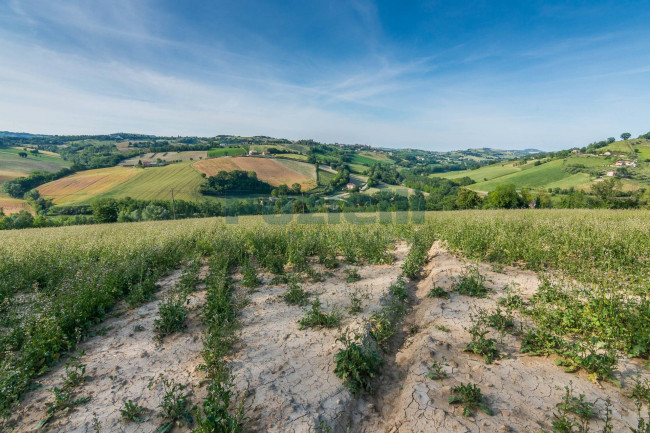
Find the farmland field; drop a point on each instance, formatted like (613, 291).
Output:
(541, 176)
(12, 165)
(147, 184)
(272, 171)
(226, 151)
(12, 205)
(168, 156)
(528, 308)
(85, 185)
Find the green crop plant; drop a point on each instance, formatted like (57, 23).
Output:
(574, 413)
(480, 344)
(352, 275)
(471, 283)
(295, 295)
(357, 363)
(132, 412)
(437, 292)
(63, 401)
(356, 305)
(469, 395)
(436, 371)
(317, 318)
(175, 406)
(249, 276)
(640, 389)
(172, 314)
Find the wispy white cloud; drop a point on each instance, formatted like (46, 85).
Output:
(150, 82)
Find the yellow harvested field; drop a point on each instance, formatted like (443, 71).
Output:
(13, 205)
(268, 170)
(86, 184)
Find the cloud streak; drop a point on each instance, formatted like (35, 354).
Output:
(101, 67)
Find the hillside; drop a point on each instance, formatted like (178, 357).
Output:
(273, 171)
(152, 183)
(12, 165)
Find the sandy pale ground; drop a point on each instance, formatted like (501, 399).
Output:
(123, 364)
(287, 374)
(523, 391)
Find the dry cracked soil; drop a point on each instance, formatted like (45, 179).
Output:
(286, 375)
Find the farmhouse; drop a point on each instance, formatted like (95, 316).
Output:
(611, 173)
(350, 186)
(252, 152)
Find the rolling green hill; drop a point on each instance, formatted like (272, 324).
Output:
(154, 183)
(13, 165)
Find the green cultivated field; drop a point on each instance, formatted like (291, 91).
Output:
(542, 176)
(226, 151)
(81, 272)
(368, 158)
(156, 183)
(488, 172)
(12, 164)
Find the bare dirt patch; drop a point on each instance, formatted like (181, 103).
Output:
(125, 363)
(522, 390)
(289, 372)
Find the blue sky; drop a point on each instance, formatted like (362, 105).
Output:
(437, 75)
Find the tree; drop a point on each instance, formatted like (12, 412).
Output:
(610, 140)
(625, 135)
(467, 199)
(607, 189)
(504, 197)
(104, 210)
(22, 154)
(296, 188)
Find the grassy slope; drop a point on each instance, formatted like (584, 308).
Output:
(550, 174)
(226, 151)
(12, 165)
(149, 183)
(488, 172)
(156, 183)
(168, 156)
